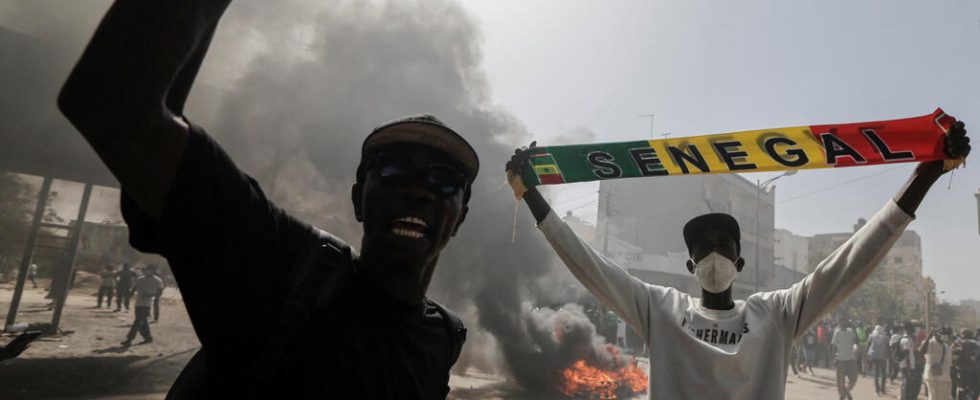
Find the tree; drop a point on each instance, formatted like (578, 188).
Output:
(15, 218)
(879, 299)
(946, 314)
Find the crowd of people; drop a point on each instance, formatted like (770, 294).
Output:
(948, 363)
(146, 285)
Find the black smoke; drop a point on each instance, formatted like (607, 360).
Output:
(291, 88)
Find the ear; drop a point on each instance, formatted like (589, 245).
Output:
(739, 264)
(355, 197)
(690, 266)
(462, 216)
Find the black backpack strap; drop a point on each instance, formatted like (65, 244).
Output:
(456, 331)
(316, 280)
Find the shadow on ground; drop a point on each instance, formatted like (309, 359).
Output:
(101, 375)
(819, 380)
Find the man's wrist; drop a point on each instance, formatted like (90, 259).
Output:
(538, 205)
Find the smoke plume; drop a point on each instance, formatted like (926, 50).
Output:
(291, 88)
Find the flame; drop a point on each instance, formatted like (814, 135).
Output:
(582, 380)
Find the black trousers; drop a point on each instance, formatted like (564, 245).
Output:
(156, 308)
(911, 383)
(108, 292)
(141, 324)
(969, 390)
(123, 294)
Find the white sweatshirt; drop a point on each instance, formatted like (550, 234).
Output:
(742, 353)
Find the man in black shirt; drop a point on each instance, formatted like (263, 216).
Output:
(367, 331)
(124, 286)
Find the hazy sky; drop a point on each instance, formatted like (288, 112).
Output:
(710, 67)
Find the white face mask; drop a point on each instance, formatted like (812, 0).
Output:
(715, 272)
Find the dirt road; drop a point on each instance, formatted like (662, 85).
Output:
(90, 363)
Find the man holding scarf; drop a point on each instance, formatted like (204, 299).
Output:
(714, 346)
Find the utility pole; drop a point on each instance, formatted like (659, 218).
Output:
(759, 187)
(651, 122)
(605, 252)
(758, 225)
(978, 210)
(930, 292)
(605, 225)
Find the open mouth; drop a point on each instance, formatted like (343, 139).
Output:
(410, 227)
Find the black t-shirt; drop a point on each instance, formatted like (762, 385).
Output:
(126, 278)
(231, 251)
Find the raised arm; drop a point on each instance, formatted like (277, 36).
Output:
(844, 270)
(924, 347)
(911, 195)
(537, 204)
(625, 294)
(127, 92)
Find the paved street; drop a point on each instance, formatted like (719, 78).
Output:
(824, 386)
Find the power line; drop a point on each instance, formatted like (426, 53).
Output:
(841, 184)
(572, 201)
(584, 205)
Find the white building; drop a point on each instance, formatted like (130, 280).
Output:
(792, 251)
(581, 227)
(640, 224)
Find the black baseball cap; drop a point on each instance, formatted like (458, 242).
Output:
(424, 129)
(715, 222)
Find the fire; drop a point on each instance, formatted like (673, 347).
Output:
(582, 380)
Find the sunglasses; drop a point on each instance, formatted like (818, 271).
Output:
(437, 178)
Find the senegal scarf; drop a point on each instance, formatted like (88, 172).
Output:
(801, 147)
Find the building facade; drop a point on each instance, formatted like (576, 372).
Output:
(900, 270)
(640, 224)
(792, 251)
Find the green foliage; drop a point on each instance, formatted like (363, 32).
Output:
(945, 314)
(966, 317)
(880, 299)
